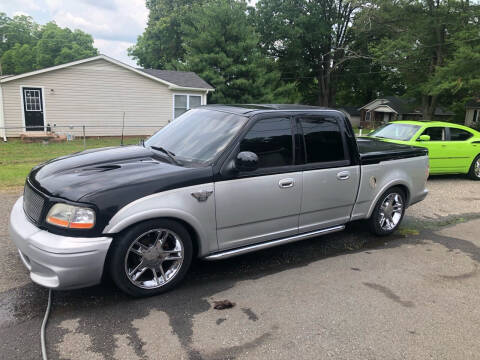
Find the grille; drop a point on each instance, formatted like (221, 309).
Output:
(32, 203)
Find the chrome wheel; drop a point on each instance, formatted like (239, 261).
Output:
(476, 168)
(154, 258)
(391, 211)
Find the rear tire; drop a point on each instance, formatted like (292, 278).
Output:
(388, 212)
(151, 257)
(474, 172)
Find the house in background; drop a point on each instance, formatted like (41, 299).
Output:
(352, 113)
(391, 108)
(97, 92)
(472, 113)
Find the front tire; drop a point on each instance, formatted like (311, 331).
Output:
(151, 257)
(388, 212)
(474, 172)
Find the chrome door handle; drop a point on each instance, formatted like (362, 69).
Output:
(286, 183)
(343, 175)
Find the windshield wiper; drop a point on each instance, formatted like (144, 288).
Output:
(170, 154)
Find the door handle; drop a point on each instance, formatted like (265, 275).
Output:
(343, 175)
(286, 183)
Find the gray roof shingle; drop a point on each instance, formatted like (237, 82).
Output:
(179, 78)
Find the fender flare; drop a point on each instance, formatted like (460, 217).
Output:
(385, 188)
(158, 213)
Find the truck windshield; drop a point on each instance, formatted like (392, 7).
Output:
(198, 135)
(402, 132)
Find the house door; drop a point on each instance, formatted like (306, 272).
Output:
(33, 108)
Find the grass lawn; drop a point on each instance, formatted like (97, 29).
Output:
(17, 158)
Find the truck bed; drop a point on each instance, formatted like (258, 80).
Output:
(373, 151)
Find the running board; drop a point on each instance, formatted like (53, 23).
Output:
(265, 245)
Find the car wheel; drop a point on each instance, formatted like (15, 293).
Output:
(474, 172)
(388, 212)
(151, 257)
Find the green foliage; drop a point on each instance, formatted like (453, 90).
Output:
(160, 46)
(29, 46)
(221, 45)
(421, 50)
(312, 41)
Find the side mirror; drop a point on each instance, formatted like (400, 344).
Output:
(424, 138)
(246, 161)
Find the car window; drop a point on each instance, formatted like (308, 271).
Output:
(323, 139)
(459, 134)
(435, 133)
(395, 131)
(199, 135)
(271, 140)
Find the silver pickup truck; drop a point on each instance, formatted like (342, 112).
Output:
(218, 181)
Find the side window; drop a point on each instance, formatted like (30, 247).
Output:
(271, 140)
(323, 140)
(435, 133)
(459, 134)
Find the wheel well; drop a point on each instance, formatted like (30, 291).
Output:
(404, 189)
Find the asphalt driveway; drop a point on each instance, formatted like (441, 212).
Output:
(345, 296)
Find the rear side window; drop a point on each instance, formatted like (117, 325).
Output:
(323, 139)
(271, 140)
(459, 134)
(435, 133)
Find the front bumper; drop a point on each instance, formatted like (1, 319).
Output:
(54, 261)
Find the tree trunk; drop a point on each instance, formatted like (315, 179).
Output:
(429, 103)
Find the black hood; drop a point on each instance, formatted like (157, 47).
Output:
(110, 178)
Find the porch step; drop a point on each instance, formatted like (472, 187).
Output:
(35, 137)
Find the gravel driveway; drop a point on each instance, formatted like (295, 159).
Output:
(345, 296)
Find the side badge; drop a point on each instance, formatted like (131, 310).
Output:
(373, 182)
(202, 195)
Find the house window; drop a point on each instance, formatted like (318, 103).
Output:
(367, 116)
(475, 116)
(182, 103)
(32, 100)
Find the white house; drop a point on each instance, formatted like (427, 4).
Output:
(99, 93)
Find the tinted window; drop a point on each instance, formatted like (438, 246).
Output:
(199, 135)
(323, 140)
(271, 140)
(459, 134)
(435, 133)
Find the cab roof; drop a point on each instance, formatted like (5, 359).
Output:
(252, 109)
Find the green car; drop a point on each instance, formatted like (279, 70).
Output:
(452, 149)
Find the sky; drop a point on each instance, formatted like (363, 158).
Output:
(114, 24)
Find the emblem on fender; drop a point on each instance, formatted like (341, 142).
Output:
(202, 195)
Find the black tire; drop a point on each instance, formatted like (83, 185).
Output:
(375, 219)
(474, 173)
(146, 231)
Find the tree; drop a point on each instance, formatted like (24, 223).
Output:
(28, 46)
(221, 45)
(160, 45)
(57, 46)
(418, 48)
(19, 30)
(311, 40)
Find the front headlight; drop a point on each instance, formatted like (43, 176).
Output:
(69, 216)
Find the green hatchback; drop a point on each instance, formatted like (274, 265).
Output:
(452, 148)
